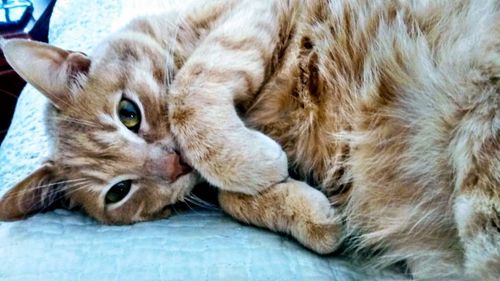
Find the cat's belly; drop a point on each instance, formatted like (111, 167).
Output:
(353, 139)
(392, 187)
(381, 118)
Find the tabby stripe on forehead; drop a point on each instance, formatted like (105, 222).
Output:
(135, 47)
(156, 68)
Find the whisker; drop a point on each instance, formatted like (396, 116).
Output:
(76, 121)
(202, 203)
(26, 191)
(187, 201)
(53, 197)
(75, 189)
(173, 47)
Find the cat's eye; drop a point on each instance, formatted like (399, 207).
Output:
(129, 115)
(118, 191)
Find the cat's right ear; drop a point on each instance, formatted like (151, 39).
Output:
(49, 69)
(37, 192)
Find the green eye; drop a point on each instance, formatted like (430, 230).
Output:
(129, 115)
(118, 192)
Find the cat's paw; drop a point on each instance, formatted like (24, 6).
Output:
(291, 207)
(254, 162)
(322, 235)
(214, 141)
(227, 154)
(317, 226)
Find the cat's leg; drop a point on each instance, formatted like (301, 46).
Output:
(291, 207)
(228, 66)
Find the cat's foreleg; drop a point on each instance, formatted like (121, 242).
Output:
(229, 66)
(291, 207)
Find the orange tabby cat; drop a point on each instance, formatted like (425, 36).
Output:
(390, 108)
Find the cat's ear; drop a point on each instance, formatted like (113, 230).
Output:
(37, 192)
(49, 69)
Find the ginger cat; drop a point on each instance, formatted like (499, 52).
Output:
(390, 108)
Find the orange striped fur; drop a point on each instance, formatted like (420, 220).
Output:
(390, 108)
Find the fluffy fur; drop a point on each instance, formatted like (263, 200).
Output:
(390, 108)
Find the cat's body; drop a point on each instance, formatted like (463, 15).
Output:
(394, 110)
(391, 108)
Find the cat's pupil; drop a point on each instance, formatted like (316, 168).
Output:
(129, 115)
(118, 192)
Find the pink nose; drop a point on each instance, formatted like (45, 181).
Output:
(175, 167)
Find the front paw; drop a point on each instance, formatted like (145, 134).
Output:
(215, 142)
(254, 162)
(248, 162)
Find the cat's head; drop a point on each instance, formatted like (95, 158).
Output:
(114, 154)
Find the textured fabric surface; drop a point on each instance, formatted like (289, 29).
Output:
(195, 245)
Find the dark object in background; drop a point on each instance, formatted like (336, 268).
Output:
(14, 13)
(32, 24)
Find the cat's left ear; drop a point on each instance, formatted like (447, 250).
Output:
(48, 68)
(38, 192)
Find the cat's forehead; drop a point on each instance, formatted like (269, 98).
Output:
(124, 53)
(124, 65)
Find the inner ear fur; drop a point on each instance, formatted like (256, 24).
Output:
(49, 69)
(38, 192)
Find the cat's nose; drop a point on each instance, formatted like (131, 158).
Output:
(175, 167)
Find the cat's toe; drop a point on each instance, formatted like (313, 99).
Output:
(323, 237)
